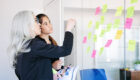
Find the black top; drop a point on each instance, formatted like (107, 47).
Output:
(36, 64)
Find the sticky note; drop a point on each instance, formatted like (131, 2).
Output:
(118, 34)
(128, 23)
(116, 23)
(130, 12)
(108, 27)
(102, 33)
(88, 49)
(131, 45)
(108, 43)
(90, 24)
(97, 25)
(54, 71)
(119, 11)
(85, 39)
(94, 38)
(102, 20)
(93, 54)
(104, 9)
(98, 9)
(134, 1)
(101, 50)
(89, 35)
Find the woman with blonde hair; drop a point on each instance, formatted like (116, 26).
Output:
(32, 56)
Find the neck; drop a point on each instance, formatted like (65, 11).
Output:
(46, 38)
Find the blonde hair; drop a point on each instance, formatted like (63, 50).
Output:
(20, 34)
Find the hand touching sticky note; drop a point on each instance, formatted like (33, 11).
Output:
(119, 11)
(102, 19)
(130, 12)
(98, 9)
(97, 25)
(108, 43)
(118, 34)
(90, 24)
(108, 27)
(93, 54)
(104, 9)
(116, 23)
(85, 39)
(131, 45)
(128, 23)
(101, 51)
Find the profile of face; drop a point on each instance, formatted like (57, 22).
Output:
(46, 26)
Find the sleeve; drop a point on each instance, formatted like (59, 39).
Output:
(40, 49)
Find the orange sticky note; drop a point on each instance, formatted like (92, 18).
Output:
(118, 34)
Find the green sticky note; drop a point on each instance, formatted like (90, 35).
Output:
(95, 38)
(130, 11)
(119, 11)
(97, 25)
(131, 45)
(54, 71)
(90, 24)
(102, 19)
(134, 1)
(108, 27)
(88, 49)
(104, 9)
(101, 51)
(102, 33)
(116, 23)
(89, 35)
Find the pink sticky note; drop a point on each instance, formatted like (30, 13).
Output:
(93, 53)
(108, 43)
(128, 23)
(85, 39)
(98, 9)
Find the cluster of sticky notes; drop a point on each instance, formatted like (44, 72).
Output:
(102, 32)
(104, 9)
(134, 1)
(119, 11)
(128, 23)
(101, 51)
(108, 43)
(116, 23)
(89, 35)
(98, 9)
(118, 34)
(90, 24)
(85, 39)
(88, 49)
(93, 54)
(102, 19)
(108, 27)
(131, 45)
(94, 38)
(97, 25)
(130, 12)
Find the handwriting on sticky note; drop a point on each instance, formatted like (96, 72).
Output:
(128, 23)
(102, 33)
(85, 39)
(108, 27)
(89, 35)
(98, 9)
(118, 34)
(94, 38)
(93, 54)
(119, 11)
(108, 43)
(88, 49)
(116, 23)
(90, 24)
(131, 45)
(97, 25)
(104, 9)
(134, 1)
(130, 12)
(101, 51)
(102, 19)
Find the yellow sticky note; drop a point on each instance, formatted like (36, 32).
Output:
(102, 19)
(94, 38)
(118, 34)
(116, 23)
(134, 1)
(102, 33)
(131, 45)
(97, 25)
(101, 51)
(108, 27)
(88, 49)
(130, 11)
(104, 9)
(119, 11)
(89, 35)
(54, 71)
(90, 24)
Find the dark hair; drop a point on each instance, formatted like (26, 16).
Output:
(40, 16)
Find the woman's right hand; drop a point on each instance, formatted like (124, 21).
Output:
(70, 24)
